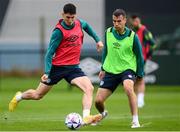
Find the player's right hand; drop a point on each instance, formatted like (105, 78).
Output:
(99, 46)
(101, 74)
(138, 78)
(44, 77)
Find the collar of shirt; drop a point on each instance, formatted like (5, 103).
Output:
(120, 36)
(67, 26)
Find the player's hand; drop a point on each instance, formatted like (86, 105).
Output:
(101, 74)
(44, 77)
(139, 81)
(139, 78)
(99, 46)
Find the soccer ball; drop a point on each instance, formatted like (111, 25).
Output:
(73, 121)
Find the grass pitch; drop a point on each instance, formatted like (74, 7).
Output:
(161, 112)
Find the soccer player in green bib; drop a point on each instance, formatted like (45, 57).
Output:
(122, 62)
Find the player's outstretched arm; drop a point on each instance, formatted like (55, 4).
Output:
(88, 29)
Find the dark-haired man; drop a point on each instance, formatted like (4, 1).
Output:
(148, 45)
(122, 60)
(62, 61)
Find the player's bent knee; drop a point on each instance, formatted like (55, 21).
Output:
(129, 91)
(89, 90)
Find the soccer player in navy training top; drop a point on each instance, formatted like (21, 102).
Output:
(62, 61)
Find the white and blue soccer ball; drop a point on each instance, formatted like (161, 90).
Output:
(73, 121)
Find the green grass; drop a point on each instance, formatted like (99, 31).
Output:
(161, 112)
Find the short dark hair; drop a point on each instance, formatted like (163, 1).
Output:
(69, 8)
(119, 12)
(134, 16)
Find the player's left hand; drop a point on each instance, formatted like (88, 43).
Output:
(99, 46)
(101, 74)
(44, 77)
(139, 78)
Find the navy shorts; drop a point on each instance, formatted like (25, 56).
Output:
(58, 73)
(111, 81)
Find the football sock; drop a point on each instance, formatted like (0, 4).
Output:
(103, 113)
(135, 118)
(141, 96)
(86, 112)
(19, 97)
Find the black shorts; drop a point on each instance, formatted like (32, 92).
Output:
(58, 73)
(111, 81)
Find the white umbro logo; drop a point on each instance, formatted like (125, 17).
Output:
(130, 76)
(48, 80)
(101, 83)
